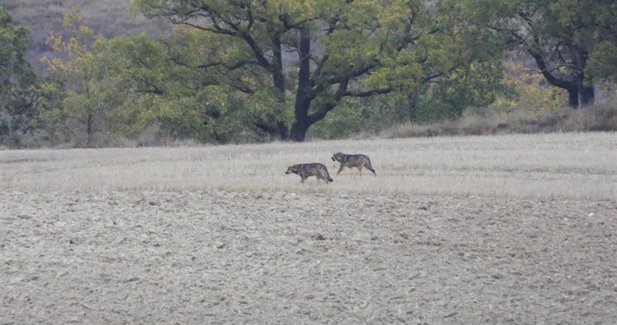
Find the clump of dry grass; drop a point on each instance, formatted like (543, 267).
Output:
(569, 166)
(601, 117)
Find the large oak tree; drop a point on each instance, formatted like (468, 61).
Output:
(563, 37)
(306, 55)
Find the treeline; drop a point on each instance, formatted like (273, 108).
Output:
(247, 71)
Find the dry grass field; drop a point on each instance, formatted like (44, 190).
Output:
(513, 229)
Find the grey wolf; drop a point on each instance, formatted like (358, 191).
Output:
(313, 169)
(356, 160)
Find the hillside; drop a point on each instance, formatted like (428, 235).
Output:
(107, 17)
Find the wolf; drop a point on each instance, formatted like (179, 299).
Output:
(313, 169)
(356, 160)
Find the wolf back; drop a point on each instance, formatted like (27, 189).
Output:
(359, 161)
(312, 169)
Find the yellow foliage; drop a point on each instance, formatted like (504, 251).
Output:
(71, 45)
(56, 43)
(534, 94)
(85, 30)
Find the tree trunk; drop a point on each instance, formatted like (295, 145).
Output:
(89, 130)
(585, 93)
(572, 96)
(299, 129)
(412, 103)
(282, 130)
(578, 93)
(578, 97)
(587, 96)
(304, 97)
(279, 129)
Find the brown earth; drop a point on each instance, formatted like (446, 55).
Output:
(211, 257)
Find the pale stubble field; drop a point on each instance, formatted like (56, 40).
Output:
(514, 229)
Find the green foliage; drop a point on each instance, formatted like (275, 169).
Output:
(467, 61)
(254, 71)
(210, 116)
(77, 88)
(344, 49)
(162, 89)
(603, 61)
(362, 116)
(18, 113)
(135, 70)
(257, 70)
(563, 37)
(474, 86)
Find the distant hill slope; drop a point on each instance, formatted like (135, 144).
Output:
(107, 17)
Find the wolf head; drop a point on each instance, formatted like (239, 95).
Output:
(337, 156)
(292, 169)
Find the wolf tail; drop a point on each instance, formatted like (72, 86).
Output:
(328, 177)
(369, 167)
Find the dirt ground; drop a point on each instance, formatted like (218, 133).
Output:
(213, 257)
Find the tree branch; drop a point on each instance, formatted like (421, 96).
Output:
(369, 93)
(547, 73)
(326, 107)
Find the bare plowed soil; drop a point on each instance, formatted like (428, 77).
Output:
(209, 257)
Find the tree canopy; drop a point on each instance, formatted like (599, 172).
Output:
(78, 87)
(308, 56)
(563, 37)
(252, 70)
